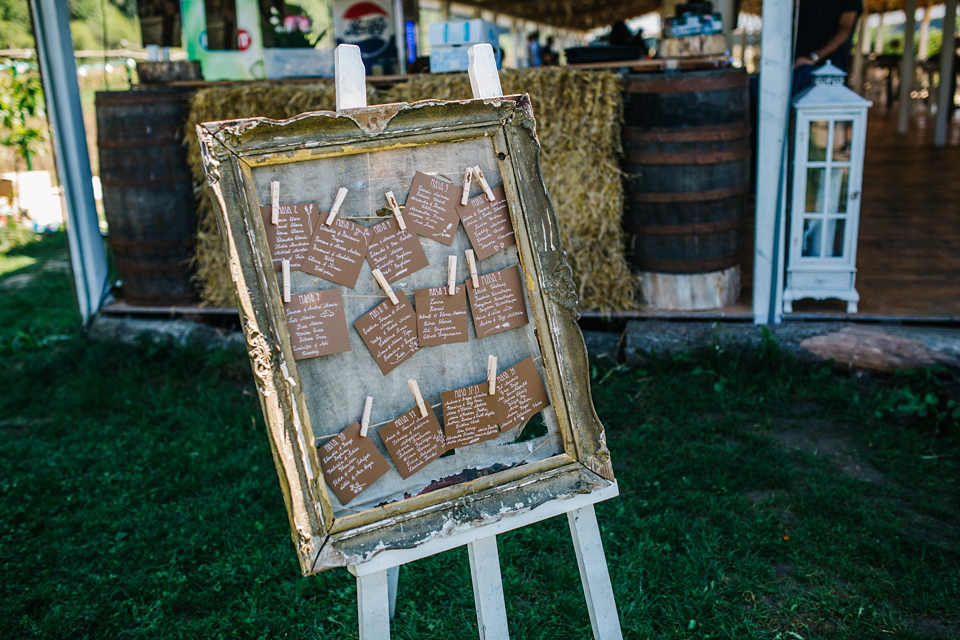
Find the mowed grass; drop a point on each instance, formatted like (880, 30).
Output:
(760, 498)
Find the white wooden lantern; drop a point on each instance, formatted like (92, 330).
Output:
(830, 126)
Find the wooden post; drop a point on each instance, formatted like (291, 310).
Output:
(907, 67)
(597, 589)
(349, 77)
(373, 607)
(776, 63)
(488, 589)
(482, 69)
(945, 90)
(923, 48)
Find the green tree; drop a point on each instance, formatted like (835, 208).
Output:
(21, 99)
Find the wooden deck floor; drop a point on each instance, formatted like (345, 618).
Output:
(909, 249)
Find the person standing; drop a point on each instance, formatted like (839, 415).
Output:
(533, 50)
(824, 32)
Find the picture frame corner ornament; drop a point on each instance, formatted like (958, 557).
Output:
(560, 286)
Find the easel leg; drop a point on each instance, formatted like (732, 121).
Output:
(393, 577)
(593, 574)
(373, 606)
(488, 589)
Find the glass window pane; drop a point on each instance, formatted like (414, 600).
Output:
(835, 228)
(815, 188)
(817, 151)
(839, 179)
(811, 238)
(842, 140)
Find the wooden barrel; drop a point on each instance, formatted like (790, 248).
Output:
(687, 155)
(148, 193)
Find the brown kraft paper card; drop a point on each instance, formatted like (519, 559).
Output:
(351, 463)
(498, 304)
(470, 415)
(397, 253)
(487, 223)
(431, 208)
(317, 324)
(521, 393)
(290, 238)
(390, 332)
(337, 251)
(413, 441)
(441, 318)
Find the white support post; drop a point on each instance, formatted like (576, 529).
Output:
(59, 71)
(907, 68)
(488, 589)
(945, 90)
(859, 61)
(597, 589)
(923, 47)
(401, 39)
(373, 607)
(350, 77)
(878, 39)
(776, 63)
(482, 69)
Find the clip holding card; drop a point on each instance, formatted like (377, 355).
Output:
(472, 263)
(392, 202)
(483, 184)
(451, 275)
(416, 394)
(467, 179)
(365, 419)
(275, 202)
(387, 289)
(335, 209)
(492, 375)
(285, 268)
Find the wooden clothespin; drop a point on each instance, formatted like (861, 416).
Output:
(472, 262)
(451, 275)
(483, 184)
(392, 201)
(467, 179)
(387, 289)
(286, 279)
(365, 419)
(275, 202)
(492, 375)
(335, 209)
(416, 394)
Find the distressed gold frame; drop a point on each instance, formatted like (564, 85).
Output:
(232, 150)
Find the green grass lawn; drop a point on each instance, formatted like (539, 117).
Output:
(760, 498)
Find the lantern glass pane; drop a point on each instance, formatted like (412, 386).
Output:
(842, 140)
(811, 237)
(815, 189)
(839, 182)
(835, 227)
(818, 141)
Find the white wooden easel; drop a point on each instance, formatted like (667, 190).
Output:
(377, 578)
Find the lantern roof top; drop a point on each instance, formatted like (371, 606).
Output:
(829, 90)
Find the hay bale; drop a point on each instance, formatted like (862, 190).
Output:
(578, 123)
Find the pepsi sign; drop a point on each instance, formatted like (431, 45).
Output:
(367, 24)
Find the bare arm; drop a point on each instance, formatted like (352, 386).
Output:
(848, 19)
